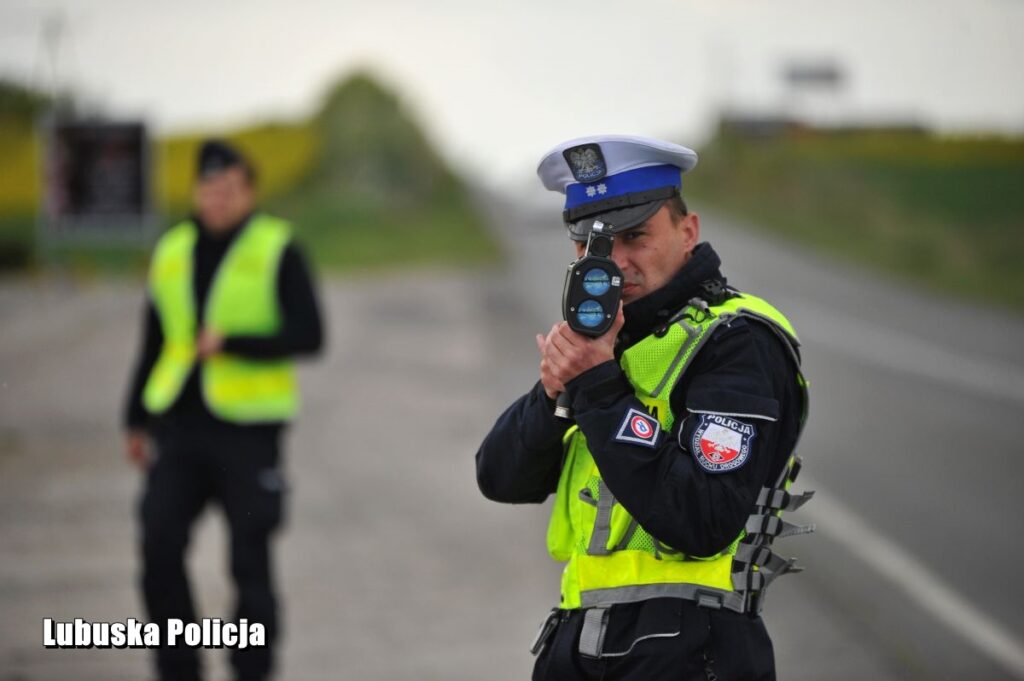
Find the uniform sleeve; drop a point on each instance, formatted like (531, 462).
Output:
(694, 487)
(135, 415)
(301, 330)
(521, 458)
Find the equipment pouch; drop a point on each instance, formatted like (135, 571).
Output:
(546, 630)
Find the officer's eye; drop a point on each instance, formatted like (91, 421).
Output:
(633, 235)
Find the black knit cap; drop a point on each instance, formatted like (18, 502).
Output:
(217, 155)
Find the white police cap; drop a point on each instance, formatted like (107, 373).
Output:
(621, 179)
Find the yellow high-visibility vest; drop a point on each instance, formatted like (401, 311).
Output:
(242, 301)
(609, 557)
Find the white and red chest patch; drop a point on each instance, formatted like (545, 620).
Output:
(721, 444)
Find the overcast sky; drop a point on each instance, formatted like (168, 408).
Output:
(496, 86)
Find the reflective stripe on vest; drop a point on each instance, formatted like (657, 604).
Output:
(242, 301)
(610, 558)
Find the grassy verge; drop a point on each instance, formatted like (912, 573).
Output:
(354, 233)
(17, 240)
(947, 213)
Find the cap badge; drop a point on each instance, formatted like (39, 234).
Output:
(586, 162)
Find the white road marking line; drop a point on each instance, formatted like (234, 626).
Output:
(915, 579)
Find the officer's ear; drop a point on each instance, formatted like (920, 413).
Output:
(690, 224)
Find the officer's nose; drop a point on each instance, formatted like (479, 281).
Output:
(620, 259)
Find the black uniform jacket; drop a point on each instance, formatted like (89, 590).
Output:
(671, 490)
(301, 331)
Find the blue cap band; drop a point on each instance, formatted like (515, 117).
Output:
(628, 182)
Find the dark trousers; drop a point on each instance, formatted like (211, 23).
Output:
(238, 468)
(661, 638)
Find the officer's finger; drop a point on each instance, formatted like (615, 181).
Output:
(552, 384)
(556, 341)
(573, 338)
(563, 345)
(551, 334)
(540, 343)
(564, 367)
(551, 362)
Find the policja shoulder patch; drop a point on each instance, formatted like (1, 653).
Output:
(721, 444)
(638, 428)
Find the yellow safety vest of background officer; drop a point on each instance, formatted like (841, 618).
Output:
(229, 303)
(671, 483)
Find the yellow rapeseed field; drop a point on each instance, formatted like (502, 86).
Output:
(283, 154)
(19, 172)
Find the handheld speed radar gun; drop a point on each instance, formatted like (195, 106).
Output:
(590, 298)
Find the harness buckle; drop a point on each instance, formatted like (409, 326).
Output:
(706, 599)
(714, 291)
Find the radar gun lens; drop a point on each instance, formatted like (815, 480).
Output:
(590, 313)
(596, 282)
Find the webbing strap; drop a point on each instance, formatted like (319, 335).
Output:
(781, 500)
(696, 336)
(763, 558)
(595, 623)
(628, 536)
(794, 470)
(748, 581)
(758, 580)
(774, 526)
(703, 596)
(603, 523)
(753, 554)
(789, 472)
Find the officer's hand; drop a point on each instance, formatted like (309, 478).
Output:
(566, 354)
(209, 343)
(136, 447)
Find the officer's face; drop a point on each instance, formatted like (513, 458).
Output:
(223, 199)
(651, 254)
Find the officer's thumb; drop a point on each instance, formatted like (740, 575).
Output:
(540, 343)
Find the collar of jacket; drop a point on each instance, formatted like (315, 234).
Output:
(643, 316)
(224, 237)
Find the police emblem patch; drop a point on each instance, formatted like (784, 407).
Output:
(638, 428)
(586, 162)
(721, 444)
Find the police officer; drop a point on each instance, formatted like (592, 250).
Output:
(670, 483)
(229, 303)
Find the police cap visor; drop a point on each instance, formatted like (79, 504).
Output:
(615, 221)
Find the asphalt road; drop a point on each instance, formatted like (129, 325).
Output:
(393, 566)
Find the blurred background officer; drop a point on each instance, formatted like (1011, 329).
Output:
(687, 412)
(230, 302)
